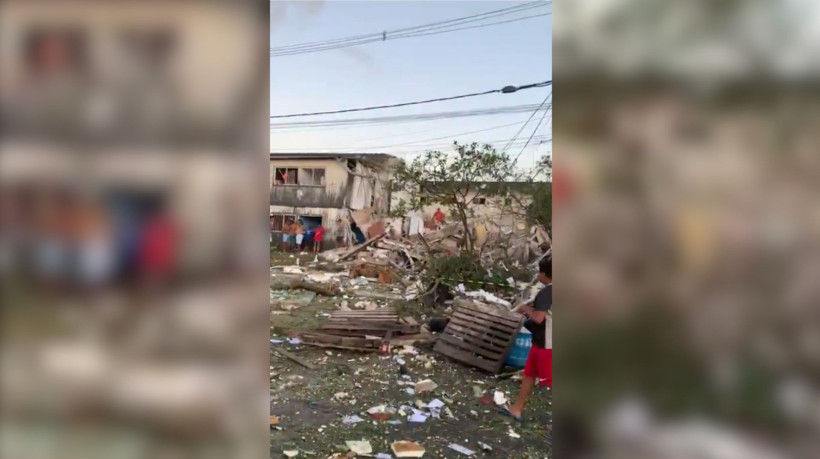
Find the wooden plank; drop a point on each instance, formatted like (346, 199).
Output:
(469, 346)
(294, 358)
(461, 330)
(365, 326)
(465, 357)
(501, 317)
(361, 247)
(410, 321)
(501, 330)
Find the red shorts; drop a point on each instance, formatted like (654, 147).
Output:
(539, 365)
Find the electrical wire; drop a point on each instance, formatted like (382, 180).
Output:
(536, 140)
(533, 133)
(507, 147)
(406, 104)
(435, 25)
(408, 118)
(410, 32)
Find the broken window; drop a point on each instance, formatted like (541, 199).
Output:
(277, 221)
(507, 201)
(285, 176)
(312, 177)
(481, 201)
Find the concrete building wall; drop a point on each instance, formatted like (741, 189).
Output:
(333, 194)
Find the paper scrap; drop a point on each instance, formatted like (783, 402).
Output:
(499, 398)
(436, 403)
(353, 419)
(461, 449)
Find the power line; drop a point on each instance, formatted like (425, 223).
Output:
(539, 140)
(409, 32)
(507, 89)
(380, 35)
(408, 118)
(533, 133)
(507, 147)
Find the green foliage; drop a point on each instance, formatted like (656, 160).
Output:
(540, 209)
(452, 180)
(466, 269)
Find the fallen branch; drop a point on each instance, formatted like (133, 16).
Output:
(294, 358)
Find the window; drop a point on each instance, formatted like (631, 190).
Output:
(507, 201)
(481, 201)
(277, 221)
(285, 176)
(312, 177)
(424, 201)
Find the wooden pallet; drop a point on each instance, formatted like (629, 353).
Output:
(480, 337)
(369, 323)
(342, 342)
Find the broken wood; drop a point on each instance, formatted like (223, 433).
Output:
(322, 289)
(293, 358)
(375, 295)
(360, 247)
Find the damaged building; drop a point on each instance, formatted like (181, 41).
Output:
(320, 188)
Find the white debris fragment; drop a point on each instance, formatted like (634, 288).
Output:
(350, 420)
(425, 386)
(361, 447)
(499, 398)
(461, 449)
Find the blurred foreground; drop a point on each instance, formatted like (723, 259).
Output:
(131, 212)
(686, 190)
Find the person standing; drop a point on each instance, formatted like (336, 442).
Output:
(341, 234)
(287, 228)
(299, 231)
(438, 217)
(539, 323)
(318, 235)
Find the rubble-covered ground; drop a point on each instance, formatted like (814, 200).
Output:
(311, 405)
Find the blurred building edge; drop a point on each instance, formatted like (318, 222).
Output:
(181, 71)
(138, 113)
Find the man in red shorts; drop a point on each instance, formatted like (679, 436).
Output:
(539, 361)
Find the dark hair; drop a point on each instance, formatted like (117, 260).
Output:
(545, 266)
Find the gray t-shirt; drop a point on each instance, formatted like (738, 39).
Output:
(543, 302)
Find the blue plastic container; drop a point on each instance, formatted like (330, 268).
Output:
(520, 349)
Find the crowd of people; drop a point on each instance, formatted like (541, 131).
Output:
(298, 236)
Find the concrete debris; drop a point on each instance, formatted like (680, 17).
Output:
(407, 449)
(425, 386)
(359, 447)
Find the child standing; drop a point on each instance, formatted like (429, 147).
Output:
(318, 234)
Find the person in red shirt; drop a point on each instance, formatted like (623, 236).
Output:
(438, 217)
(318, 234)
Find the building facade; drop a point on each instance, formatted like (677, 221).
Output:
(321, 188)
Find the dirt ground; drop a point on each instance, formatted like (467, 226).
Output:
(311, 404)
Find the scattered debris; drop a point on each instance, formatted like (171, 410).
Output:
(425, 386)
(359, 447)
(499, 398)
(407, 449)
(484, 446)
(291, 453)
(461, 449)
(350, 420)
(294, 358)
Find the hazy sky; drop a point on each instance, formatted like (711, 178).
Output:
(407, 70)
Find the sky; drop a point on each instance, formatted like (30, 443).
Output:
(406, 70)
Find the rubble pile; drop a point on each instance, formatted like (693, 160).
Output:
(384, 347)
